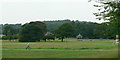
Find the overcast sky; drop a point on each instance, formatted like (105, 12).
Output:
(23, 11)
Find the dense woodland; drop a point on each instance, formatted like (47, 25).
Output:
(89, 30)
(86, 29)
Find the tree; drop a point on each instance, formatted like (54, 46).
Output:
(86, 29)
(49, 36)
(53, 25)
(110, 10)
(65, 30)
(31, 32)
(11, 31)
(8, 31)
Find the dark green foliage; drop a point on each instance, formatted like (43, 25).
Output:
(49, 36)
(31, 32)
(10, 31)
(87, 29)
(10, 37)
(110, 10)
(65, 30)
(53, 25)
(84, 28)
(1, 28)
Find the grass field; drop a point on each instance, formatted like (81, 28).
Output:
(70, 48)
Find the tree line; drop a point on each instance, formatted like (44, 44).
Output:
(35, 31)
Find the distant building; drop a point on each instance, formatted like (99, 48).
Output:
(48, 33)
(1, 35)
(79, 36)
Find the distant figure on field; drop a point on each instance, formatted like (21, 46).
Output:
(28, 46)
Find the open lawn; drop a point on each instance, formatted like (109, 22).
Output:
(70, 48)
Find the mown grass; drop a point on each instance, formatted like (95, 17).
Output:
(107, 44)
(71, 48)
(58, 54)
